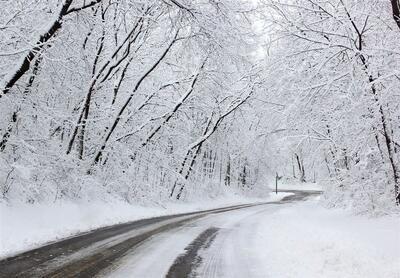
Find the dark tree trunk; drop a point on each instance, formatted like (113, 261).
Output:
(189, 171)
(169, 115)
(8, 132)
(387, 131)
(301, 168)
(389, 143)
(14, 118)
(40, 44)
(110, 130)
(391, 154)
(396, 11)
(185, 160)
(243, 176)
(228, 172)
(91, 89)
(95, 79)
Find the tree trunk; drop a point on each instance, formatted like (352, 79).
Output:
(169, 115)
(94, 81)
(14, 118)
(228, 172)
(183, 164)
(391, 154)
(387, 132)
(301, 168)
(86, 109)
(396, 11)
(40, 44)
(111, 129)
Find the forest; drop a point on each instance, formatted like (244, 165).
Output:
(153, 101)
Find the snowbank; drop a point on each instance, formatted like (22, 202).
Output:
(24, 227)
(306, 240)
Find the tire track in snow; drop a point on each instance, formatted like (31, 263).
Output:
(186, 264)
(225, 257)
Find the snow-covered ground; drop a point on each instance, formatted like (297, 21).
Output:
(301, 240)
(24, 227)
(309, 241)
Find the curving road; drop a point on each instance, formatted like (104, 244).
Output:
(199, 244)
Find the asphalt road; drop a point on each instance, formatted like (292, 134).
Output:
(89, 254)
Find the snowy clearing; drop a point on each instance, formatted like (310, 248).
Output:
(24, 227)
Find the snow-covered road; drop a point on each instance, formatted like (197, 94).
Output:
(296, 240)
(86, 254)
(184, 252)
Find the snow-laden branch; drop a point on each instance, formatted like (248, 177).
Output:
(219, 121)
(110, 130)
(25, 63)
(180, 6)
(170, 114)
(85, 6)
(110, 63)
(192, 162)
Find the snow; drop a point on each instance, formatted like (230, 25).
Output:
(300, 240)
(290, 185)
(154, 257)
(23, 227)
(306, 240)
